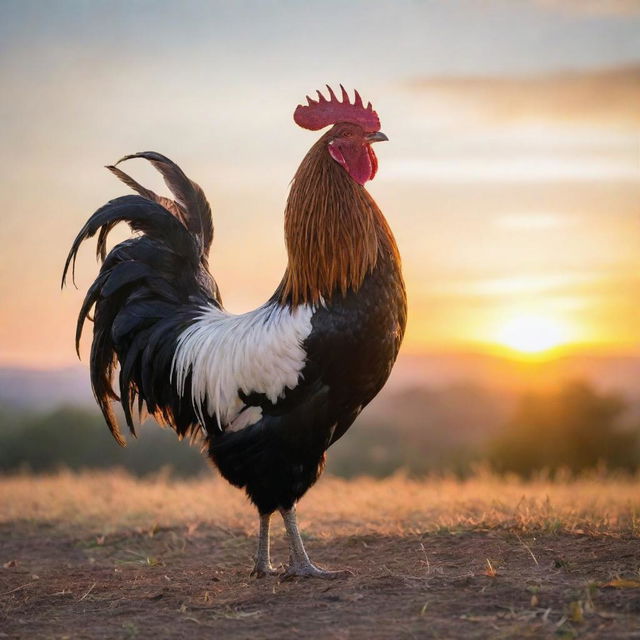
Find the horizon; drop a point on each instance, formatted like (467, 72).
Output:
(437, 370)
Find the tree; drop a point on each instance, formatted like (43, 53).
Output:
(575, 428)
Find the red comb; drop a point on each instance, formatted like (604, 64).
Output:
(322, 112)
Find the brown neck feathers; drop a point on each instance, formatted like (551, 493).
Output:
(334, 231)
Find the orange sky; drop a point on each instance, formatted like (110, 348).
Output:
(511, 178)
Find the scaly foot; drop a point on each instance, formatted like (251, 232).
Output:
(304, 570)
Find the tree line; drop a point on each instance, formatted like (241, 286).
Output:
(573, 428)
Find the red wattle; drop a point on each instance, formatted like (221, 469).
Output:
(374, 162)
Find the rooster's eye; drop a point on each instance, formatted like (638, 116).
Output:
(347, 134)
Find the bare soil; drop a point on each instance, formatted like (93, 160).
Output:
(193, 581)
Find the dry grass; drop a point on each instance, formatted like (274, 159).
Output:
(105, 555)
(103, 502)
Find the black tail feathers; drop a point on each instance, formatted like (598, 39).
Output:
(190, 205)
(150, 287)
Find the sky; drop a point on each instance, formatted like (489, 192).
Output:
(511, 179)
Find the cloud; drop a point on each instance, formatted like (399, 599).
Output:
(522, 285)
(604, 97)
(598, 7)
(528, 222)
(513, 168)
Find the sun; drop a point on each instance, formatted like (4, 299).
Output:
(532, 333)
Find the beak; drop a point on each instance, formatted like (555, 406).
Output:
(378, 136)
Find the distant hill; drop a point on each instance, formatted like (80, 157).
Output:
(42, 389)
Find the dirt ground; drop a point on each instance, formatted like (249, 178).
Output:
(192, 581)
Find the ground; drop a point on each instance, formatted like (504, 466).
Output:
(108, 556)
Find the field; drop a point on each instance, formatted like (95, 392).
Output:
(110, 556)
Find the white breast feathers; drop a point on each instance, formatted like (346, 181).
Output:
(256, 352)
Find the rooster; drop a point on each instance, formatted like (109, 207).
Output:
(269, 390)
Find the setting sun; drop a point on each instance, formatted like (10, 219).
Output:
(532, 334)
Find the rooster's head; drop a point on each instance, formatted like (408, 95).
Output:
(355, 128)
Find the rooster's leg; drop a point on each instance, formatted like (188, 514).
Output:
(263, 566)
(299, 563)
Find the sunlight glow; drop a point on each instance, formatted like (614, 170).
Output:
(531, 333)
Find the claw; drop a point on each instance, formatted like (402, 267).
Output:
(311, 571)
(263, 572)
